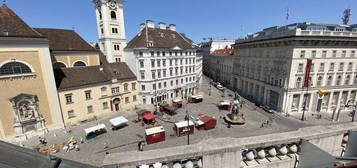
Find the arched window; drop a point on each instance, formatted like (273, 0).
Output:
(298, 83)
(113, 15)
(347, 80)
(59, 65)
(12, 68)
(79, 64)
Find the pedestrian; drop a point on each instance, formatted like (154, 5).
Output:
(82, 140)
(141, 146)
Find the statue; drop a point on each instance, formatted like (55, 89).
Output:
(235, 108)
(26, 112)
(234, 117)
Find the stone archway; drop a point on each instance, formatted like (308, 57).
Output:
(116, 103)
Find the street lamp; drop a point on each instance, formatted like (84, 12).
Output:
(353, 104)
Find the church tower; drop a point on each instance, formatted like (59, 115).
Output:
(111, 29)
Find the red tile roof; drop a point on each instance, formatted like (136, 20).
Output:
(14, 25)
(65, 40)
(226, 51)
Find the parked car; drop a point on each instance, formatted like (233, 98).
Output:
(268, 109)
(219, 87)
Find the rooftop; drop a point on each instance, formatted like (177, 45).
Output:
(223, 52)
(11, 25)
(68, 78)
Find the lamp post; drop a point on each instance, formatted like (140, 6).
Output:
(353, 104)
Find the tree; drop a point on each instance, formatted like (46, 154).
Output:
(346, 16)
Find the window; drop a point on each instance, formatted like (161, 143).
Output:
(71, 114)
(90, 109)
(127, 100)
(79, 64)
(172, 83)
(164, 73)
(163, 53)
(319, 81)
(159, 74)
(164, 63)
(117, 59)
(340, 68)
(350, 66)
(165, 84)
(68, 98)
(334, 53)
(353, 53)
(313, 54)
(12, 68)
(153, 75)
(152, 53)
(153, 63)
(177, 82)
(144, 101)
(343, 54)
(114, 30)
(158, 53)
(103, 91)
(332, 67)
(298, 82)
(181, 81)
(113, 15)
(133, 86)
(141, 54)
(115, 90)
(302, 54)
(160, 85)
(100, 15)
(355, 80)
(59, 65)
(338, 80)
(170, 53)
(105, 105)
(300, 68)
(322, 67)
(142, 75)
(142, 87)
(312, 68)
(141, 64)
(116, 47)
(170, 62)
(171, 72)
(158, 63)
(324, 53)
(347, 80)
(126, 87)
(134, 98)
(329, 81)
(88, 95)
(154, 86)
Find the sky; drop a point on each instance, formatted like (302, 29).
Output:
(198, 19)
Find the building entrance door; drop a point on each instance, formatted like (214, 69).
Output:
(116, 103)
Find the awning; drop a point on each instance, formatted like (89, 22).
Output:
(95, 128)
(118, 121)
(149, 116)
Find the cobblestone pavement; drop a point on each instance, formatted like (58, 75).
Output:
(126, 139)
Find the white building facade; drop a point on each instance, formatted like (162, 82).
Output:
(111, 29)
(270, 67)
(165, 63)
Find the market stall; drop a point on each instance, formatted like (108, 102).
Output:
(184, 127)
(118, 123)
(195, 98)
(177, 103)
(170, 110)
(208, 122)
(149, 118)
(92, 132)
(224, 104)
(155, 134)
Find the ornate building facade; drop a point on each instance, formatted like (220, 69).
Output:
(111, 29)
(270, 67)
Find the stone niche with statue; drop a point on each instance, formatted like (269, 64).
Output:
(27, 115)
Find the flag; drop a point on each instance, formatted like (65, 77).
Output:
(307, 73)
(287, 14)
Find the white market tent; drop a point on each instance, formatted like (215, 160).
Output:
(118, 121)
(95, 128)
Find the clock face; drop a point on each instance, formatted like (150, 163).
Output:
(112, 4)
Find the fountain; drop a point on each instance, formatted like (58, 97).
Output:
(234, 117)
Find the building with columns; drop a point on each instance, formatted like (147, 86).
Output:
(111, 29)
(164, 62)
(269, 66)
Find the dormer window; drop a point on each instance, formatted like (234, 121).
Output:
(151, 44)
(339, 29)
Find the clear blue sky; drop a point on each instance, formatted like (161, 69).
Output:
(196, 18)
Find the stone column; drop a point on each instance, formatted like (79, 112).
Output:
(339, 100)
(348, 96)
(329, 101)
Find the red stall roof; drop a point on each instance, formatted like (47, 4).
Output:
(205, 119)
(148, 116)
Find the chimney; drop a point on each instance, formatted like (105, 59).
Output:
(142, 26)
(150, 24)
(172, 27)
(162, 25)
